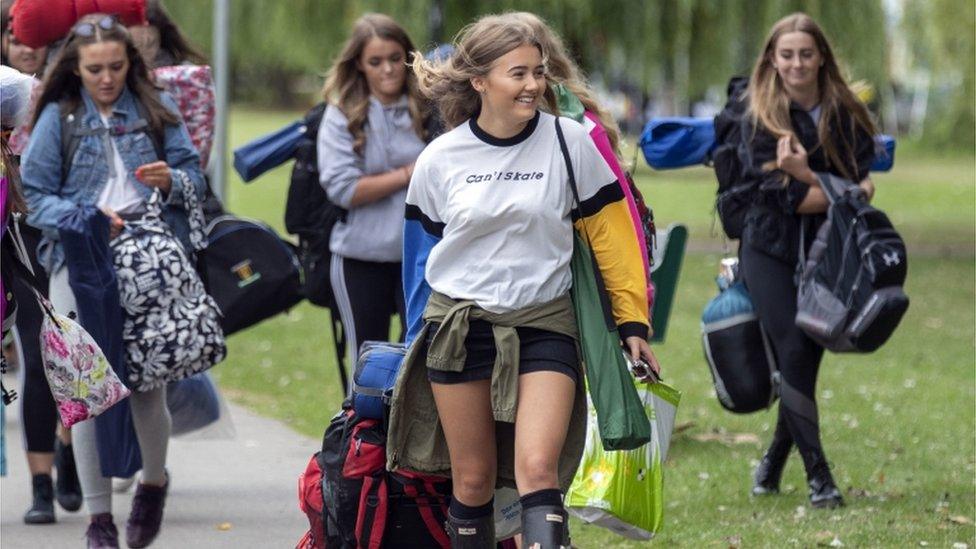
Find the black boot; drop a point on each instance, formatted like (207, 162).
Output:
(765, 480)
(545, 527)
(476, 533)
(67, 488)
(42, 510)
(824, 494)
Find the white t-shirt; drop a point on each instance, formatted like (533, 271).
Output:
(505, 206)
(119, 193)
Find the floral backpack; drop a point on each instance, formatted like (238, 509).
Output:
(171, 327)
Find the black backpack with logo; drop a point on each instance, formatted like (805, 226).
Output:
(733, 197)
(251, 272)
(850, 296)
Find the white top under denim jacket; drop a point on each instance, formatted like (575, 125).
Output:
(50, 195)
(374, 231)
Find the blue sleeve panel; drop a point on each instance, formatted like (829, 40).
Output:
(418, 241)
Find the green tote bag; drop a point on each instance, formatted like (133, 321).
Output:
(621, 418)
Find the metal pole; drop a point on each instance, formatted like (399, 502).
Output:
(221, 60)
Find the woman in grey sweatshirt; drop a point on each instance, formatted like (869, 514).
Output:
(371, 134)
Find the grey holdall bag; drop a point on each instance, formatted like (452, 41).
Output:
(850, 296)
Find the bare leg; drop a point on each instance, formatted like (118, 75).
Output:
(542, 421)
(40, 463)
(469, 427)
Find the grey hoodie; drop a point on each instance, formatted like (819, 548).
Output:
(372, 232)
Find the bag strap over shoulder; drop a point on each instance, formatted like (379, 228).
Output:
(601, 286)
(72, 131)
(569, 165)
(14, 252)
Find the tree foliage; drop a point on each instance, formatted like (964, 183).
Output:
(672, 50)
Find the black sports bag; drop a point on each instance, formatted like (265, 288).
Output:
(251, 272)
(850, 296)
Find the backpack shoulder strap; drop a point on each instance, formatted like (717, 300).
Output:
(71, 134)
(156, 136)
(72, 131)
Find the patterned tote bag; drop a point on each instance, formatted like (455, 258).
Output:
(81, 379)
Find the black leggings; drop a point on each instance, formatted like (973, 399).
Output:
(367, 294)
(38, 412)
(770, 283)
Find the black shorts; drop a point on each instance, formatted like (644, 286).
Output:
(539, 350)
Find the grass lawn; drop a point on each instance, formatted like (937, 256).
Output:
(898, 425)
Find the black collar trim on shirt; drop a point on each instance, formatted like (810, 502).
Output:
(508, 141)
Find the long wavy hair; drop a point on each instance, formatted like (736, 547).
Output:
(62, 84)
(563, 70)
(769, 102)
(346, 87)
(171, 38)
(476, 47)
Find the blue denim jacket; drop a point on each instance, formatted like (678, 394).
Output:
(51, 194)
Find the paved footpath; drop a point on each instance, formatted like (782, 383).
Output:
(239, 493)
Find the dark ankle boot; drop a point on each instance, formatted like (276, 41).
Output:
(765, 480)
(476, 533)
(42, 509)
(102, 533)
(146, 516)
(824, 494)
(68, 487)
(545, 527)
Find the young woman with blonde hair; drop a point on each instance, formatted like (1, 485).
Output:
(372, 131)
(802, 119)
(491, 391)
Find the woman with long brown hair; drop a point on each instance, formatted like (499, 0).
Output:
(375, 125)
(802, 119)
(131, 142)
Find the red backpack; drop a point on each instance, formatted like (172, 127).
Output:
(352, 501)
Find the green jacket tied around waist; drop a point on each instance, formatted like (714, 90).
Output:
(416, 438)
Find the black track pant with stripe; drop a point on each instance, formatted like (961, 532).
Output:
(770, 283)
(367, 294)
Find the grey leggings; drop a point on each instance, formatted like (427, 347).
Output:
(149, 415)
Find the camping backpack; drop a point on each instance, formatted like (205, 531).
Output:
(251, 272)
(733, 197)
(850, 296)
(310, 214)
(352, 501)
(737, 350)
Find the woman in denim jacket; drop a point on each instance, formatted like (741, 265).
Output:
(100, 76)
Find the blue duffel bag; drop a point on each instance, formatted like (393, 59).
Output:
(885, 157)
(677, 141)
(256, 157)
(682, 141)
(376, 372)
